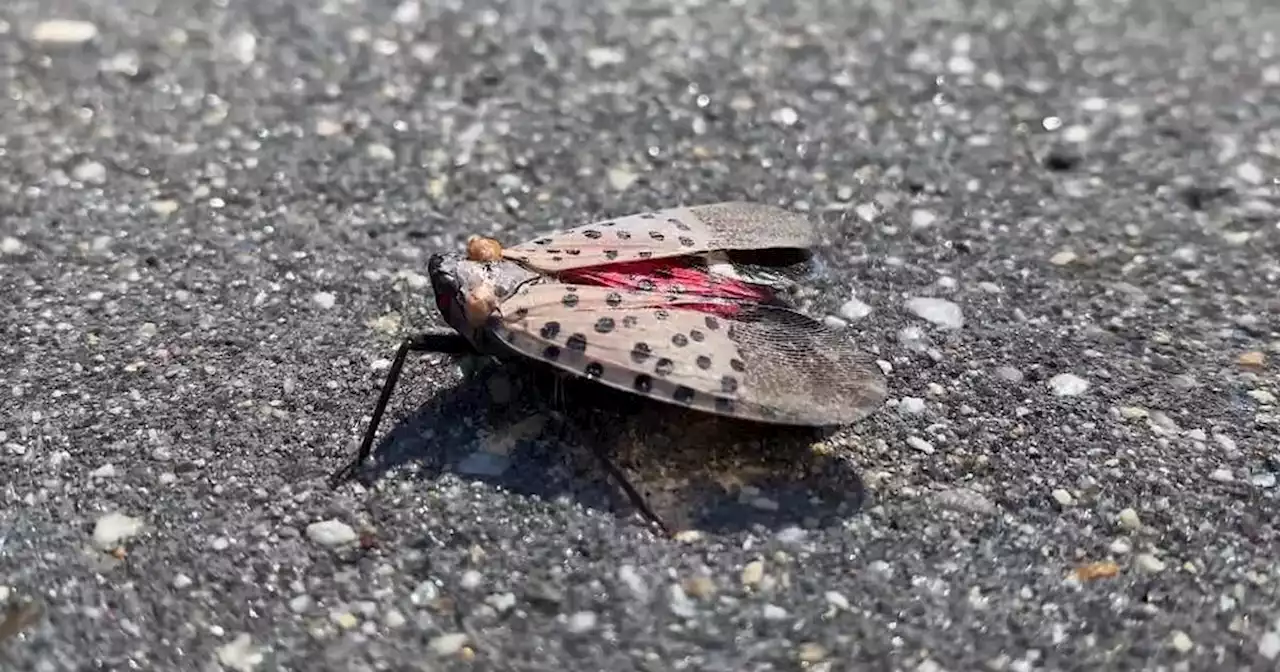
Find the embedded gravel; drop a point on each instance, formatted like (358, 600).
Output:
(1056, 224)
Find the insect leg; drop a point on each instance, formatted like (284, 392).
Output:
(636, 498)
(432, 341)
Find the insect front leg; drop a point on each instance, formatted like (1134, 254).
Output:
(444, 342)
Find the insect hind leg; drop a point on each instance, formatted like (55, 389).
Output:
(445, 342)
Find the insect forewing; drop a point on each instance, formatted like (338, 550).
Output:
(667, 233)
(763, 363)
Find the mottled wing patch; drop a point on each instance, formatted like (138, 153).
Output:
(767, 364)
(667, 233)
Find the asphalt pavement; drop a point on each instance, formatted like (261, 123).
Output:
(1055, 224)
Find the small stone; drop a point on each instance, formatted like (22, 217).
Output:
(90, 172)
(1181, 642)
(240, 654)
(471, 579)
(837, 600)
(113, 529)
(10, 246)
(964, 499)
(1269, 645)
(854, 310)
(679, 602)
(583, 621)
(1222, 475)
(621, 178)
(300, 604)
(1149, 563)
(599, 57)
(182, 582)
(393, 619)
(941, 312)
(634, 583)
(911, 405)
(1262, 397)
(326, 128)
(1133, 413)
(752, 573)
(1252, 360)
(1250, 173)
(1009, 374)
(1129, 520)
(325, 300)
(922, 219)
(772, 612)
(1068, 385)
(811, 652)
(920, 445)
(700, 586)
(867, 212)
(1120, 546)
(64, 31)
(380, 152)
(1264, 480)
(448, 645)
(105, 471)
(1063, 498)
(344, 619)
(1063, 258)
(785, 116)
(164, 207)
(331, 533)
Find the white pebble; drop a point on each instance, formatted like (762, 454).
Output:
(1129, 519)
(1222, 475)
(1262, 396)
(114, 528)
(583, 621)
(64, 31)
(599, 57)
(1269, 645)
(331, 533)
(325, 300)
(105, 471)
(1149, 563)
(1063, 497)
(772, 612)
(911, 405)
(182, 582)
(837, 600)
(1251, 173)
(393, 619)
(300, 604)
(11, 245)
(922, 219)
(90, 172)
(240, 654)
(854, 310)
(634, 582)
(380, 152)
(1181, 642)
(785, 116)
(1120, 546)
(1266, 479)
(447, 645)
(1068, 385)
(471, 579)
(941, 312)
(867, 212)
(920, 444)
(679, 602)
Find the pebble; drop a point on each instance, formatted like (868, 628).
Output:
(1120, 546)
(1129, 520)
(11, 245)
(1068, 385)
(240, 654)
(181, 582)
(393, 618)
(1063, 258)
(114, 528)
(300, 604)
(679, 602)
(621, 179)
(1269, 645)
(837, 600)
(811, 652)
(964, 499)
(448, 645)
(1222, 475)
(583, 621)
(471, 579)
(325, 300)
(90, 172)
(599, 57)
(634, 582)
(1181, 642)
(105, 471)
(785, 116)
(501, 602)
(920, 445)
(1262, 397)
(1253, 359)
(911, 405)
(854, 310)
(1266, 479)
(773, 612)
(752, 573)
(1009, 374)
(380, 152)
(64, 31)
(922, 219)
(331, 533)
(1149, 563)
(1063, 498)
(941, 312)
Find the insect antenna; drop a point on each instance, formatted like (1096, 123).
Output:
(444, 342)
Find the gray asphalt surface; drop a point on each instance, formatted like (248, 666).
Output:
(216, 217)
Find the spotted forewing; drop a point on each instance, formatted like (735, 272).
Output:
(636, 303)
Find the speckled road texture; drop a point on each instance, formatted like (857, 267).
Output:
(1055, 223)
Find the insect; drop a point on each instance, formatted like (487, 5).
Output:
(688, 306)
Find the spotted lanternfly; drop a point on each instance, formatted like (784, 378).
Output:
(689, 306)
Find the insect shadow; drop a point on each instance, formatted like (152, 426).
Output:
(532, 431)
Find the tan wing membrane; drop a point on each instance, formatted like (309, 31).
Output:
(667, 233)
(769, 364)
